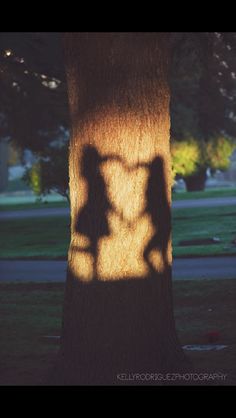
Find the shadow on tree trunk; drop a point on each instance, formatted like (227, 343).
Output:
(117, 328)
(119, 325)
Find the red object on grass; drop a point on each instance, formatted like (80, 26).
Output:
(212, 336)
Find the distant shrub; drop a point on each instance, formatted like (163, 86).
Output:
(34, 178)
(192, 156)
(218, 152)
(186, 157)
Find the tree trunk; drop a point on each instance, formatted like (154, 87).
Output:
(118, 315)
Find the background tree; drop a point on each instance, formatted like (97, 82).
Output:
(34, 106)
(191, 158)
(51, 168)
(203, 98)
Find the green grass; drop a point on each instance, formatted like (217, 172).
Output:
(34, 205)
(49, 237)
(216, 192)
(201, 223)
(200, 308)
(29, 311)
(35, 237)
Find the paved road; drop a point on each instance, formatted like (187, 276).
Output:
(204, 268)
(44, 212)
(55, 271)
(207, 202)
(33, 213)
(35, 271)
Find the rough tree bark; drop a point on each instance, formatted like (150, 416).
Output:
(118, 315)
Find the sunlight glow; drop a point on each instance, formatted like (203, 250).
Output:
(121, 186)
(126, 188)
(121, 254)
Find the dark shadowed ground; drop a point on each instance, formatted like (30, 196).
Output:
(29, 312)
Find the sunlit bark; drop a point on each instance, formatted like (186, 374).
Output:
(118, 309)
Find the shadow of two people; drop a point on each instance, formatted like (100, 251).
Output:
(92, 220)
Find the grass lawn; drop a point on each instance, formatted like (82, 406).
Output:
(216, 192)
(35, 238)
(48, 238)
(201, 223)
(30, 311)
(33, 205)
